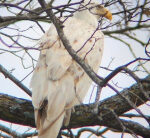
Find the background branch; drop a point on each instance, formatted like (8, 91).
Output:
(15, 80)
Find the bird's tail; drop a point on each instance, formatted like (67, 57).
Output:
(51, 130)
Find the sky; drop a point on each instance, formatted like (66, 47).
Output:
(115, 55)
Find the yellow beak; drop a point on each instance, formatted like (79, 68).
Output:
(108, 14)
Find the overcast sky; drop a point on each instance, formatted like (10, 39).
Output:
(115, 54)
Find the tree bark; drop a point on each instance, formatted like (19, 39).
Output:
(20, 111)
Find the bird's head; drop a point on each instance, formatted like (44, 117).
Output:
(96, 9)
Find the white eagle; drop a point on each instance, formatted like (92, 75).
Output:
(58, 82)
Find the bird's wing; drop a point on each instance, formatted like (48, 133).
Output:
(52, 64)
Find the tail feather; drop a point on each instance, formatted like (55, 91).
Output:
(51, 130)
(48, 129)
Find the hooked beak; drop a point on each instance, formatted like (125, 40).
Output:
(108, 14)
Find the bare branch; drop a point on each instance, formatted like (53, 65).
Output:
(15, 80)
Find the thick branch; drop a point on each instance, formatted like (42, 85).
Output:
(20, 111)
(16, 110)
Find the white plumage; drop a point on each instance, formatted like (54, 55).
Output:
(58, 82)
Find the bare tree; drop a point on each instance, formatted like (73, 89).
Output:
(130, 18)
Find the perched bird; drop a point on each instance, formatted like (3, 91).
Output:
(58, 82)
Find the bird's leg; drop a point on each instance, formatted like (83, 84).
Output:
(72, 110)
(67, 117)
(69, 109)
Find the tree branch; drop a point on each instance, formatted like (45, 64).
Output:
(20, 111)
(130, 127)
(126, 29)
(15, 80)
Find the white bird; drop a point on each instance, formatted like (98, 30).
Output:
(58, 82)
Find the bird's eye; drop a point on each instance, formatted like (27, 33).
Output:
(99, 6)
